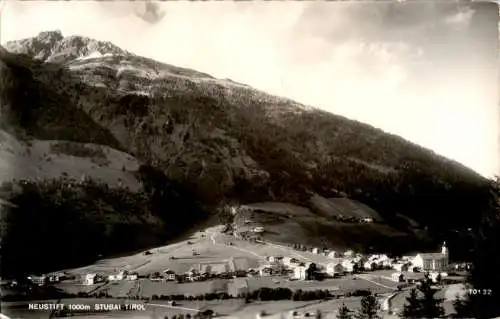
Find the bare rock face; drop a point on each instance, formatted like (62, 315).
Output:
(52, 46)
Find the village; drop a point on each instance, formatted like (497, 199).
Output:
(215, 269)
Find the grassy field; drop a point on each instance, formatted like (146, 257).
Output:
(75, 288)
(150, 288)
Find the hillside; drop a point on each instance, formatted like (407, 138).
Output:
(39, 160)
(226, 142)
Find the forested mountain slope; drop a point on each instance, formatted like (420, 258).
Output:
(226, 142)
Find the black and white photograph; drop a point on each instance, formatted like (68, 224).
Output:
(249, 159)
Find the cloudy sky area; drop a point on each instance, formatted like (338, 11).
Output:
(426, 71)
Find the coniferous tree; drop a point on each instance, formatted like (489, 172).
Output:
(344, 312)
(370, 307)
(430, 306)
(412, 308)
(460, 306)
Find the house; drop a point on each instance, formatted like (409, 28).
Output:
(258, 229)
(315, 250)
(38, 280)
(132, 277)
(398, 277)
(169, 275)
(434, 276)
(271, 259)
(348, 265)
(333, 254)
(333, 269)
(290, 261)
(370, 265)
(437, 262)
(55, 277)
(349, 253)
(300, 272)
(383, 257)
(89, 279)
(192, 275)
(386, 263)
(265, 271)
(401, 266)
(367, 220)
(121, 275)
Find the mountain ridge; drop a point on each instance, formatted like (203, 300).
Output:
(229, 144)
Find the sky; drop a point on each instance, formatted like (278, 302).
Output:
(424, 70)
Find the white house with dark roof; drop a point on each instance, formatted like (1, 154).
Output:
(333, 254)
(300, 272)
(169, 275)
(89, 279)
(334, 268)
(436, 262)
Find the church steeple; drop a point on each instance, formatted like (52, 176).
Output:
(444, 249)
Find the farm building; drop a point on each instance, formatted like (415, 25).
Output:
(370, 265)
(333, 269)
(274, 259)
(89, 279)
(38, 280)
(192, 275)
(265, 271)
(348, 265)
(300, 272)
(258, 229)
(349, 253)
(333, 254)
(290, 261)
(401, 266)
(121, 275)
(315, 250)
(55, 277)
(132, 277)
(398, 277)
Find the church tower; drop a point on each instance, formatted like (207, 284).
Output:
(444, 249)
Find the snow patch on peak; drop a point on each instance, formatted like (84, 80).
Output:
(94, 55)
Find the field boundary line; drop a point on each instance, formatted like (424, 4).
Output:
(173, 307)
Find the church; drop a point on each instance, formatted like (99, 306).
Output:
(436, 262)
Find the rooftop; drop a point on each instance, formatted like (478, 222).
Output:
(432, 255)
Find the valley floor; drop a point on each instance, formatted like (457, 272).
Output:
(213, 248)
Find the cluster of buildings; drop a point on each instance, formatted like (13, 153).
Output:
(434, 264)
(41, 280)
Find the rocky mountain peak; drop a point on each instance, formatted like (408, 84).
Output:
(54, 47)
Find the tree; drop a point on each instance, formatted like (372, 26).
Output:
(460, 306)
(370, 307)
(344, 312)
(319, 315)
(430, 306)
(412, 308)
